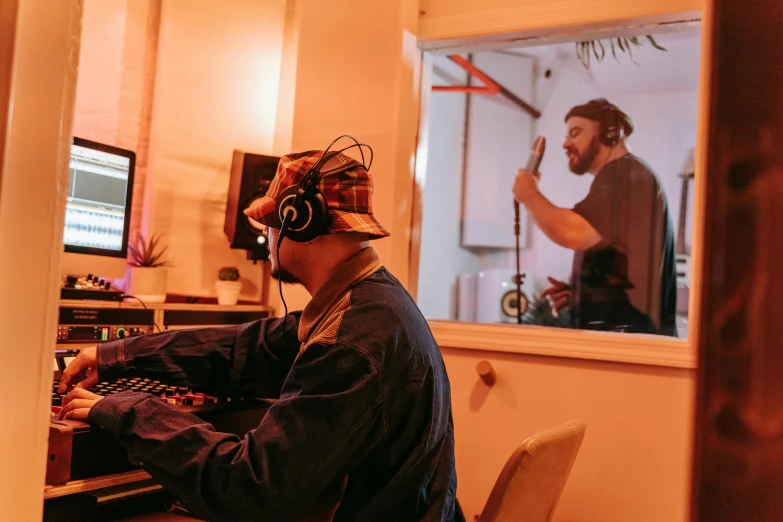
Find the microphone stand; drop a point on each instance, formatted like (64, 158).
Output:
(518, 276)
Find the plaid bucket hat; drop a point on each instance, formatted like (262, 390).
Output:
(348, 192)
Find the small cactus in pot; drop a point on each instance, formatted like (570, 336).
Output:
(228, 273)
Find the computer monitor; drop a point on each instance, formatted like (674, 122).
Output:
(98, 209)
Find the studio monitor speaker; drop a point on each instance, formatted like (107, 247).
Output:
(496, 296)
(251, 175)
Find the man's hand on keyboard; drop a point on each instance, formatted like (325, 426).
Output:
(77, 404)
(82, 372)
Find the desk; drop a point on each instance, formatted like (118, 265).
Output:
(113, 498)
(93, 484)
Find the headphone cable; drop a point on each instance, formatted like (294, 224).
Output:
(128, 296)
(280, 278)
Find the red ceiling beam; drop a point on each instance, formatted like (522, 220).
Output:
(491, 87)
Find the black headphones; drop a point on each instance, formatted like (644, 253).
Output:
(614, 123)
(302, 208)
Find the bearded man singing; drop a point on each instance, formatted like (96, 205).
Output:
(623, 276)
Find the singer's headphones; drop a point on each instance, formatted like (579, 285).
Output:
(302, 208)
(615, 124)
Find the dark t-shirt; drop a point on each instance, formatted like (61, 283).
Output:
(627, 282)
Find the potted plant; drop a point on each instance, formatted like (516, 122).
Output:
(228, 285)
(625, 44)
(147, 270)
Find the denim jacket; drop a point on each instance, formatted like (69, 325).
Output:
(363, 417)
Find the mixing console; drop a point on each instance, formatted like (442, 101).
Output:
(177, 395)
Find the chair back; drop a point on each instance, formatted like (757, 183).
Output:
(529, 487)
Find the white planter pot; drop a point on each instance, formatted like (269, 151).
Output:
(148, 284)
(228, 292)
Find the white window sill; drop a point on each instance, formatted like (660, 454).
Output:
(557, 342)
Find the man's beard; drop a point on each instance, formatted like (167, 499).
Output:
(285, 277)
(584, 161)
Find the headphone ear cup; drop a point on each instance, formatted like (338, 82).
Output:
(612, 124)
(608, 132)
(309, 216)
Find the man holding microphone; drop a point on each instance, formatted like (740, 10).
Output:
(623, 275)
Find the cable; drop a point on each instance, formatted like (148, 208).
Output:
(311, 180)
(329, 154)
(359, 145)
(324, 158)
(280, 279)
(145, 308)
(356, 144)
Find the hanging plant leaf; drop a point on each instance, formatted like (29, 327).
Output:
(589, 49)
(587, 56)
(630, 53)
(655, 44)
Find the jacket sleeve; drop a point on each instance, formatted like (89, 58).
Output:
(250, 359)
(328, 418)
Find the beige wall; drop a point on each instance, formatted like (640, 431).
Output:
(634, 463)
(115, 88)
(183, 85)
(216, 90)
(97, 111)
(32, 208)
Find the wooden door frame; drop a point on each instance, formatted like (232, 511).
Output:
(8, 11)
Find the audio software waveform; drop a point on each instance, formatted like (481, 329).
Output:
(93, 228)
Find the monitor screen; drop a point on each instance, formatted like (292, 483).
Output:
(97, 211)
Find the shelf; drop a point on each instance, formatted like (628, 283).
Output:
(133, 304)
(164, 316)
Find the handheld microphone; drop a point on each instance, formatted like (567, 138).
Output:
(536, 155)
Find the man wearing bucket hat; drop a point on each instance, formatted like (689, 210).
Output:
(362, 429)
(623, 225)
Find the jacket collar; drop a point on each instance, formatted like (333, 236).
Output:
(356, 268)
